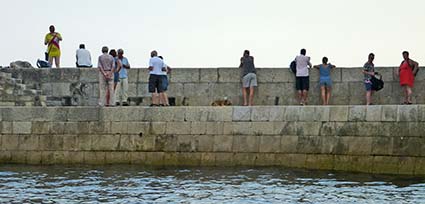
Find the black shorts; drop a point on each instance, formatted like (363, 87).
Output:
(155, 83)
(302, 83)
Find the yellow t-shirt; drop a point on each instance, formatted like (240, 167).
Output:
(53, 44)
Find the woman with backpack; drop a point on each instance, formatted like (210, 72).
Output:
(407, 72)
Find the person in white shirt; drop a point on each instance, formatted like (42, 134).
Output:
(302, 82)
(156, 73)
(83, 57)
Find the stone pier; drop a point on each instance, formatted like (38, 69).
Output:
(375, 139)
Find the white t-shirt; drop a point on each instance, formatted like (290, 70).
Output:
(83, 57)
(302, 65)
(157, 65)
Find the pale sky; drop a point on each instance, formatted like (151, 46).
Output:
(214, 33)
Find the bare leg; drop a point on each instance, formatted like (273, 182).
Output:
(368, 97)
(57, 62)
(328, 95)
(305, 96)
(323, 93)
(251, 96)
(300, 97)
(409, 94)
(155, 99)
(244, 94)
(51, 60)
(166, 103)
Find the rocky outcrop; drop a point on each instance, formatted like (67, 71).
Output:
(20, 65)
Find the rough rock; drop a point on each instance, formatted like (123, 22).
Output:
(20, 65)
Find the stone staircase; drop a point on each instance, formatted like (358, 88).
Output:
(14, 93)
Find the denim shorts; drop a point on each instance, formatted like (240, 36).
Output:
(325, 81)
(165, 83)
(116, 77)
(368, 86)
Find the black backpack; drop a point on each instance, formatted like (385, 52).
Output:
(293, 67)
(377, 82)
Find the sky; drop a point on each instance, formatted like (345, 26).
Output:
(214, 33)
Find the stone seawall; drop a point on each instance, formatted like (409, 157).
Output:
(201, 86)
(374, 139)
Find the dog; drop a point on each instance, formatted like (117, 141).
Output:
(224, 102)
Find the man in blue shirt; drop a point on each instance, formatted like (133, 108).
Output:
(121, 93)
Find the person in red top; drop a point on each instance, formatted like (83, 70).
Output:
(407, 72)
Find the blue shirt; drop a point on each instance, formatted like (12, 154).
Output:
(123, 71)
(325, 71)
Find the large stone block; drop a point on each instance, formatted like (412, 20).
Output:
(10, 142)
(242, 113)
(28, 142)
(352, 74)
(215, 128)
(292, 160)
(382, 146)
(178, 128)
(70, 143)
(207, 159)
(408, 113)
(224, 159)
(277, 113)
(407, 165)
(6, 127)
(185, 75)
(223, 143)
(166, 143)
(262, 128)
(265, 159)
(157, 128)
(229, 75)
(314, 113)
(323, 162)
(389, 113)
(33, 157)
(385, 165)
(155, 158)
(270, 144)
(51, 142)
(196, 114)
(244, 159)
(309, 144)
(21, 127)
(117, 158)
(208, 75)
(205, 143)
(198, 128)
(105, 142)
(260, 114)
(95, 158)
(407, 146)
(89, 75)
(194, 90)
(137, 158)
(275, 75)
(357, 113)
(353, 163)
(220, 114)
(373, 113)
(288, 144)
(246, 144)
(308, 128)
(84, 142)
(292, 113)
(354, 146)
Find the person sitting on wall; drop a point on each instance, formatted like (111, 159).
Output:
(83, 57)
(325, 80)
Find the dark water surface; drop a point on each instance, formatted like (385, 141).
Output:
(132, 184)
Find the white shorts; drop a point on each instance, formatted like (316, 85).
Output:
(249, 80)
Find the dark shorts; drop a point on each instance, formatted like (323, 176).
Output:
(165, 82)
(368, 86)
(302, 83)
(155, 83)
(116, 77)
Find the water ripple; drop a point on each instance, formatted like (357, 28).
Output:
(130, 184)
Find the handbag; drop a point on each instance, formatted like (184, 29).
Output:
(377, 82)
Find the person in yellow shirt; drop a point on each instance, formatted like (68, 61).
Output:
(53, 49)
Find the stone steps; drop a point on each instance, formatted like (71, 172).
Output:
(13, 92)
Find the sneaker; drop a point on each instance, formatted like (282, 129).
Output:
(117, 103)
(125, 104)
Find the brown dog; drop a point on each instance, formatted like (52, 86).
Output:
(224, 102)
